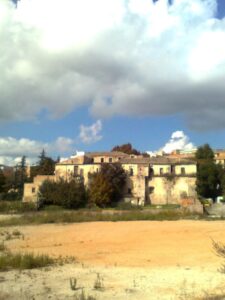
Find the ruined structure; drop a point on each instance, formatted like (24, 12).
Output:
(158, 180)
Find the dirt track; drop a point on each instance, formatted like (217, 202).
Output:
(154, 260)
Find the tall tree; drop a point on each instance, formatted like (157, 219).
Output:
(20, 175)
(107, 186)
(210, 176)
(2, 181)
(46, 165)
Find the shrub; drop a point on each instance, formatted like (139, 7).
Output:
(66, 194)
(16, 207)
(20, 261)
(11, 196)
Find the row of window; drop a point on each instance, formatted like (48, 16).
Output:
(131, 171)
(182, 171)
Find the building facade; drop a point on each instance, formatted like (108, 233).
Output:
(158, 180)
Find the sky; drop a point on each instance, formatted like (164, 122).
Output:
(81, 75)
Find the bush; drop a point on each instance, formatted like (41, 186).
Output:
(69, 195)
(10, 196)
(16, 207)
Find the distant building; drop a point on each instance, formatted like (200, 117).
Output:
(156, 180)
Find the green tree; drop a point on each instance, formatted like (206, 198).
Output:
(20, 175)
(210, 176)
(46, 166)
(204, 152)
(69, 195)
(2, 181)
(107, 186)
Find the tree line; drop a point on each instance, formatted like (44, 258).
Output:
(12, 179)
(106, 186)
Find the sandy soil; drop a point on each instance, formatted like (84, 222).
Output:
(146, 260)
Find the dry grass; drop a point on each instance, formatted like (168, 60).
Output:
(20, 261)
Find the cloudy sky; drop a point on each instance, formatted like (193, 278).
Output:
(88, 75)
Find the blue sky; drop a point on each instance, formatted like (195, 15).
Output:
(136, 76)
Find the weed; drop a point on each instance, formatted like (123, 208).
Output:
(16, 233)
(82, 296)
(98, 284)
(212, 297)
(8, 236)
(73, 284)
(220, 251)
(2, 247)
(24, 261)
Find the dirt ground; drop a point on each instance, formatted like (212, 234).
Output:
(134, 260)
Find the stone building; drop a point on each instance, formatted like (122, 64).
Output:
(158, 180)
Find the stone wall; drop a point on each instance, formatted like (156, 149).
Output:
(30, 193)
(164, 190)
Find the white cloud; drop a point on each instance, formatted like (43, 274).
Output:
(91, 134)
(178, 141)
(12, 149)
(132, 57)
(63, 144)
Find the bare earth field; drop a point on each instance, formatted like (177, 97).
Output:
(135, 260)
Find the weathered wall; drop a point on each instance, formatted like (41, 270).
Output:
(165, 169)
(138, 169)
(189, 169)
(165, 191)
(66, 172)
(105, 159)
(137, 186)
(31, 190)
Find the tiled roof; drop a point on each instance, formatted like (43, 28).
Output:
(136, 160)
(108, 154)
(70, 161)
(162, 160)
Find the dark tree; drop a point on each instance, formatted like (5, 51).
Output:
(20, 175)
(126, 148)
(42, 157)
(46, 166)
(2, 182)
(204, 152)
(107, 186)
(210, 176)
(70, 195)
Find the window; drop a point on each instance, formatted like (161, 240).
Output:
(131, 171)
(183, 171)
(110, 159)
(33, 190)
(172, 169)
(129, 191)
(102, 160)
(161, 171)
(75, 170)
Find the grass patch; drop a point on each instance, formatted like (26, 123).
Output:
(14, 207)
(53, 217)
(20, 261)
